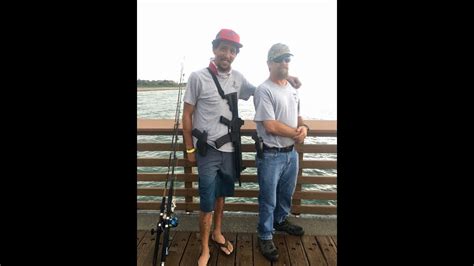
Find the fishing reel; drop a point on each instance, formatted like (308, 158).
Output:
(173, 221)
(173, 205)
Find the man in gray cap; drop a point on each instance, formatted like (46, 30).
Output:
(280, 126)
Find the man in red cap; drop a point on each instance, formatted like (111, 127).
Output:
(204, 107)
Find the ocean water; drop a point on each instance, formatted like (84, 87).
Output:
(162, 105)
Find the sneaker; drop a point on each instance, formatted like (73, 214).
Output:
(290, 228)
(268, 249)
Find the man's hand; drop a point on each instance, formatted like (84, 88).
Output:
(294, 81)
(192, 157)
(302, 132)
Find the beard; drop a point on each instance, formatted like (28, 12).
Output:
(282, 73)
(223, 66)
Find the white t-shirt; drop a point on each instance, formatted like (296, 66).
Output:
(274, 102)
(201, 92)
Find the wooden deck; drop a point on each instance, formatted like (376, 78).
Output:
(185, 250)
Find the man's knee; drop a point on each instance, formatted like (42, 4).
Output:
(205, 215)
(220, 200)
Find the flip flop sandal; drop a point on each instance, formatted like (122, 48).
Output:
(225, 245)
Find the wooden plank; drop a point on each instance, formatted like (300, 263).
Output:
(190, 177)
(185, 249)
(155, 191)
(248, 178)
(155, 205)
(328, 249)
(248, 147)
(156, 162)
(319, 195)
(317, 148)
(248, 207)
(319, 164)
(239, 193)
(243, 249)
(280, 243)
(322, 127)
(295, 251)
(258, 258)
(177, 247)
(197, 241)
(187, 177)
(140, 235)
(298, 188)
(314, 209)
(188, 184)
(172, 235)
(192, 251)
(171, 239)
(302, 148)
(150, 191)
(158, 147)
(312, 250)
(331, 180)
(307, 164)
(156, 126)
(223, 259)
(146, 247)
(165, 126)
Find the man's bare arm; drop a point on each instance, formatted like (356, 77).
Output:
(277, 128)
(188, 111)
(302, 131)
(294, 81)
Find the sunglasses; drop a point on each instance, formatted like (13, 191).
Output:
(287, 59)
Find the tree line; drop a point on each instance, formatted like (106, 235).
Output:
(156, 83)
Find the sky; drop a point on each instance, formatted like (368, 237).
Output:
(175, 32)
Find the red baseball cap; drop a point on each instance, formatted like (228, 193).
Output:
(229, 35)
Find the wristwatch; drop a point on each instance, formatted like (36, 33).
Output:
(190, 150)
(306, 126)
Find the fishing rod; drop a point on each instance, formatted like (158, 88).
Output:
(167, 218)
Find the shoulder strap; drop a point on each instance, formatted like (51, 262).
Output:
(219, 89)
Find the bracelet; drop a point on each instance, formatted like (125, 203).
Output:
(191, 150)
(306, 127)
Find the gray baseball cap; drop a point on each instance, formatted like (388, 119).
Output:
(278, 50)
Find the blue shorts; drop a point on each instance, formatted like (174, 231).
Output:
(216, 177)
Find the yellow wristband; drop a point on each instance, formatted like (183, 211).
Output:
(191, 150)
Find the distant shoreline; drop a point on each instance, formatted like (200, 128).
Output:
(158, 88)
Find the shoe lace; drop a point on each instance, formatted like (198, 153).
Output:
(267, 244)
(284, 223)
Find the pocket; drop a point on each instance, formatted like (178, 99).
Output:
(269, 154)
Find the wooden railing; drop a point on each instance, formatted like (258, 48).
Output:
(327, 128)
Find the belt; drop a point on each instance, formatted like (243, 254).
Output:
(284, 149)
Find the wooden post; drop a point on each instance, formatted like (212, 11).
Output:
(300, 173)
(187, 184)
